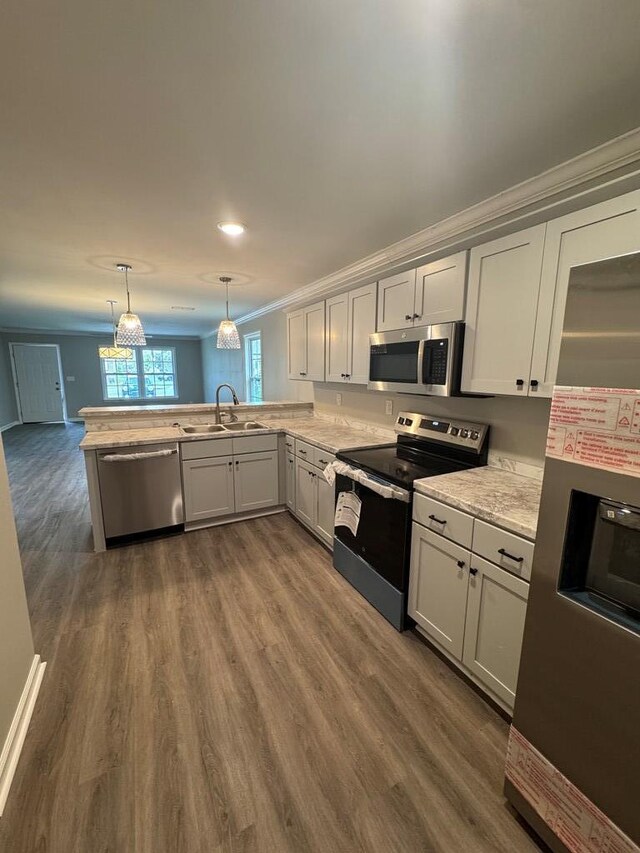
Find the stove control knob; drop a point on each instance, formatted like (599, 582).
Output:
(408, 422)
(454, 430)
(475, 435)
(464, 433)
(400, 420)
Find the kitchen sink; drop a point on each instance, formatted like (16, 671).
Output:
(243, 426)
(202, 428)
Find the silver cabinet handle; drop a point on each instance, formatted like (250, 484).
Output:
(134, 457)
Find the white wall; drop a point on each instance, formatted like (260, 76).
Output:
(16, 643)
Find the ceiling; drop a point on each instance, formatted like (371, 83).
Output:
(333, 128)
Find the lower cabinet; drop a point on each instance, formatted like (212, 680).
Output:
(471, 608)
(314, 500)
(438, 588)
(290, 482)
(256, 480)
(496, 609)
(224, 485)
(208, 487)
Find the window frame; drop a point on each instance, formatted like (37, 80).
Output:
(248, 338)
(137, 353)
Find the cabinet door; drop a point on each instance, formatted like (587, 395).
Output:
(296, 345)
(314, 341)
(291, 482)
(208, 487)
(601, 231)
(362, 323)
(396, 301)
(502, 298)
(306, 491)
(440, 290)
(438, 588)
(496, 608)
(337, 326)
(256, 480)
(326, 509)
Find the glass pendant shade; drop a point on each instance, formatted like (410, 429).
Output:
(129, 332)
(114, 351)
(228, 337)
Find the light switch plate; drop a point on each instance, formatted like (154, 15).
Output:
(388, 407)
(338, 399)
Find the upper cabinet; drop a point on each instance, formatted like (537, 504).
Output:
(517, 293)
(350, 319)
(602, 231)
(433, 293)
(305, 343)
(502, 297)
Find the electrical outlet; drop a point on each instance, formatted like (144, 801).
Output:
(388, 407)
(338, 399)
(70, 378)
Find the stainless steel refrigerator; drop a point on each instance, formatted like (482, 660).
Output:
(573, 768)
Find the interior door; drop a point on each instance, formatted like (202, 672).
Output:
(39, 382)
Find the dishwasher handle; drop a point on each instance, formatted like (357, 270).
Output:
(134, 457)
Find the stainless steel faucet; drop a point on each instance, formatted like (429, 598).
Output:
(236, 402)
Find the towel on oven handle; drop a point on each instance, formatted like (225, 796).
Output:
(359, 476)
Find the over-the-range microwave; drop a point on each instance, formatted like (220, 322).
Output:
(424, 360)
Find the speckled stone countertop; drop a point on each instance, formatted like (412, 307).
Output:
(500, 497)
(329, 436)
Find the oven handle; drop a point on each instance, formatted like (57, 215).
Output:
(379, 486)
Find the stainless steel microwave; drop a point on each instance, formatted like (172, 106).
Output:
(424, 360)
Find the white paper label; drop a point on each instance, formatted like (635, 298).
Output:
(576, 821)
(348, 507)
(598, 427)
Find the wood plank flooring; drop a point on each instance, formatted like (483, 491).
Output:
(227, 691)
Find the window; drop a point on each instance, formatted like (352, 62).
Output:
(149, 373)
(253, 367)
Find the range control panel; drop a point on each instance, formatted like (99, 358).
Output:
(460, 433)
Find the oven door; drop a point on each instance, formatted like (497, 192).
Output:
(383, 536)
(424, 360)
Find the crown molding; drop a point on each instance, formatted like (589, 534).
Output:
(581, 177)
(17, 330)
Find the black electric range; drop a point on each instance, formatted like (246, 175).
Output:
(375, 559)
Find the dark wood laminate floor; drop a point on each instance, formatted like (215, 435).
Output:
(227, 690)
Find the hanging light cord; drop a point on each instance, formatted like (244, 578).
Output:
(126, 284)
(225, 279)
(113, 320)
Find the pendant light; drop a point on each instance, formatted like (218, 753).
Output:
(129, 332)
(115, 351)
(228, 337)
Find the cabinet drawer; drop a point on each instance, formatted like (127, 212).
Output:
(289, 443)
(206, 448)
(255, 443)
(322, 458)
(443, 519)
(305, 451)
(507, 550)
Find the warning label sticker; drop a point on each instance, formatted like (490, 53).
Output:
(575, 820)
(599, 427)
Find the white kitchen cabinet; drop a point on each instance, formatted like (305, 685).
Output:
(350, 319)
(438, 583)
(306, 493)
(502, 298)
(396, 301)
(325, 515)
(601, 231)
(256, 481)
(291, 481)
(305, 343)
(433, 293)
(440, 291)
(496, 609)
(208, 487)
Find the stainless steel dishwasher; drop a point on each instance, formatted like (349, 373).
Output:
(140, 488)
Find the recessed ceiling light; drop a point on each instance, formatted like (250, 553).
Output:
(233, 229)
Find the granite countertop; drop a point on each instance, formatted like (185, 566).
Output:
(500, 497)
(326, 434)
(178, 409)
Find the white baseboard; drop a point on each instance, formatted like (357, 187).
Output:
(8, 426)
(18, 729)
